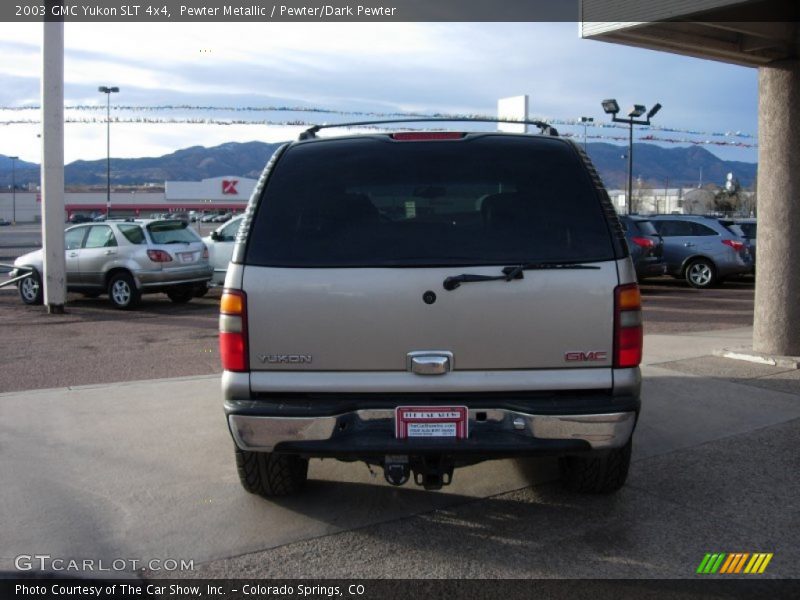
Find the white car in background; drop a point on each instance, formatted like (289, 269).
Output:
(220, 248)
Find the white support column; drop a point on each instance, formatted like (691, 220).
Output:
(54, 276)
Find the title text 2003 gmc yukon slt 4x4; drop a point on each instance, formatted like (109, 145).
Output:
(428, 300)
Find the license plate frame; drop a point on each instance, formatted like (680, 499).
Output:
(431, 422)
(186, 257)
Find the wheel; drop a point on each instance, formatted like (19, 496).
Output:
(701, 273)
(30, 288)
(597, 473)
(268, 474)
(201, 290)
(122, 291)
(181, 295)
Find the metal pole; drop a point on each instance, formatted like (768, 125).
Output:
(54, 276)
(630, 165)
(584, 137)
(108, 155)
(13, 189)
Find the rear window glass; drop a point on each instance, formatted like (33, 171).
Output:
(171, 232)
(133, 233)
(645, 227)
(749, 229)
(377, 202)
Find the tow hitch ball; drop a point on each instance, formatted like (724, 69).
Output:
(431, 472)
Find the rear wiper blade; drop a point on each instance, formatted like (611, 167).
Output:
(510, 273)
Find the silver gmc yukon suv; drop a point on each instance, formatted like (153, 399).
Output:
(426, 300)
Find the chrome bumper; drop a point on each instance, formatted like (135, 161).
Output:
(602, 431)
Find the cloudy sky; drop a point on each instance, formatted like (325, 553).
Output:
(385, 67)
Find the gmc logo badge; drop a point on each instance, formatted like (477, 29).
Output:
(591, 355)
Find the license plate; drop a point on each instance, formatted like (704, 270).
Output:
(431, 422)
(186, 256)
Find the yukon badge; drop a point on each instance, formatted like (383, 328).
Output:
(591, 355)
(284, 358)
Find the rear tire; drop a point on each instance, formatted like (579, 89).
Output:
(270, 475)
(30, 289)
(701, 273)
(122, 291)
(181, 295)
(597, 473)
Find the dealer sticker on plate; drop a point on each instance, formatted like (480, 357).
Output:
(431, 422)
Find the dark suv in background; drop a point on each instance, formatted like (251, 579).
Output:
(646, 246)
(701, 249)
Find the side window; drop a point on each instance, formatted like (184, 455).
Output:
(100, 236)
(673, 228)
(700, 229)
(73, 239)
(228, 233)
(132, 233)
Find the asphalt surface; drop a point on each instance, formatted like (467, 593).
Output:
(138, 467)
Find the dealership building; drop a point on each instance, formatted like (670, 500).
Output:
(216, 194)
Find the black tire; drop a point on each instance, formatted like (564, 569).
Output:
(268, 474)
(597, 473)
(201, 290)
(181, 295)
(30, 289)
(122, 291)
(701, 273)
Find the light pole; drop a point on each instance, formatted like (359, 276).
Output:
(586, 121)
(611, 107)
(14, 160)
(108, 91)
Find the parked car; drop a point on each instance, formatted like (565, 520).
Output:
(701, 249)
(224, 218)
(126, 259)
(220, 248)
(4, 222)
(76, 218)
(427, 301)
(646, 246)
(208, 218)
(746, 228)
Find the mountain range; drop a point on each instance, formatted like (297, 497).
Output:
(654, 165)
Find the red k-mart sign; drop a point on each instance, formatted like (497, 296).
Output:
(229, 186)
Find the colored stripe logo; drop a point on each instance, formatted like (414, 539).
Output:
(734, 563)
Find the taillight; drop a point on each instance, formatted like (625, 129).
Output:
(643, 242)
(205, 251)
(736, 245)
(233, 331)
(159, 256)
(628, 334)
(420, 136)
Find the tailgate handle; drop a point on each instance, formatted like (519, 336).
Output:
(429, 363)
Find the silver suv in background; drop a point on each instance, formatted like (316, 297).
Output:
(126, 259)
(701, 250)
(427, 301)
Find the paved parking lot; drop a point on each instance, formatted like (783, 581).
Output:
(144, 469)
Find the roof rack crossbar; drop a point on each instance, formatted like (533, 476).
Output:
(544, 128)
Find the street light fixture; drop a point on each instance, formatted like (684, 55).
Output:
(14, 160)
(108, 91)
(585, 121)
(611, 107)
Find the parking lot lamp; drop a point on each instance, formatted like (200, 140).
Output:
(611, 107)
(108, 91)
(585, 121)
(14, 160)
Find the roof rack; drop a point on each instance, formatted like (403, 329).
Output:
(544, 128)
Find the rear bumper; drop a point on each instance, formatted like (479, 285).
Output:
(494, 431)
(166, 278)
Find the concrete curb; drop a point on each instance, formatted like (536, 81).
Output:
(747, 354)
